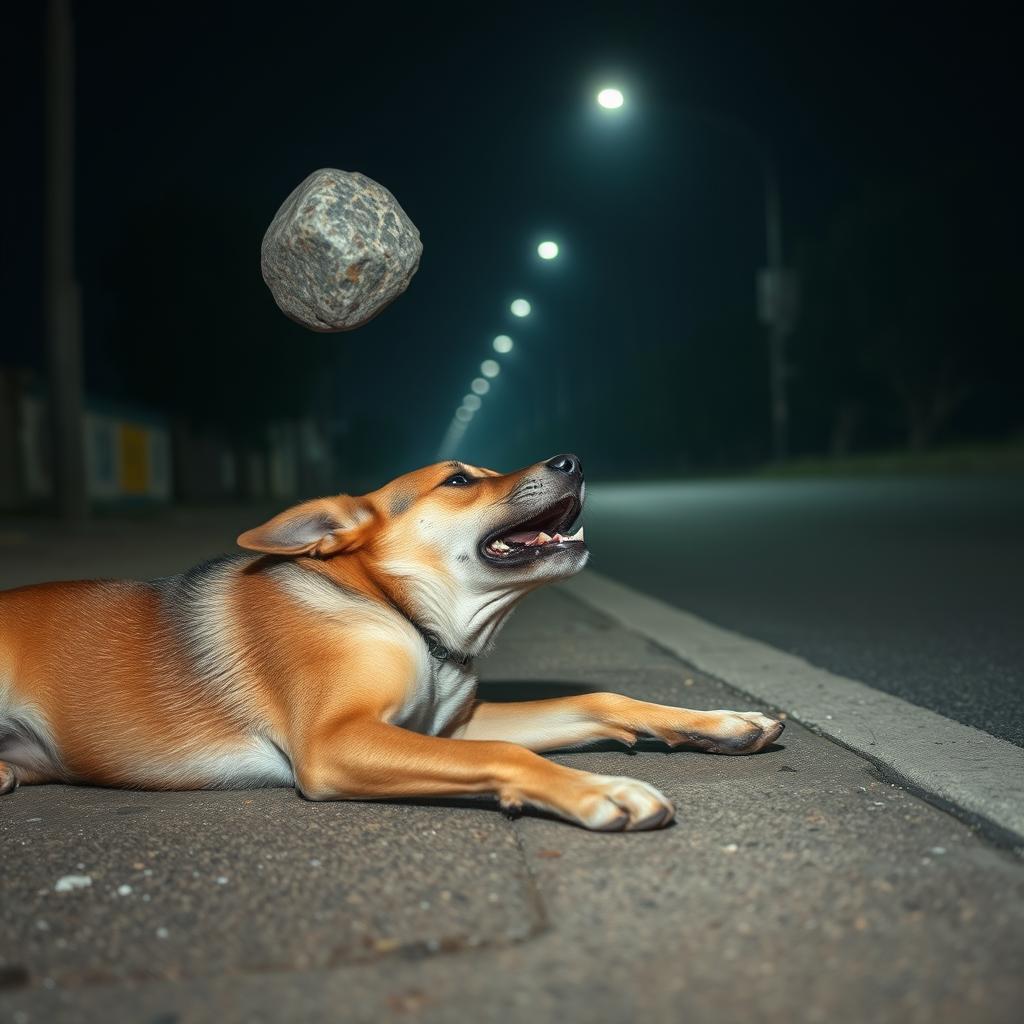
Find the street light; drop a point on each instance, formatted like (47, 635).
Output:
(547, 250)
(777, 286)
(610, 99)
(489, 369)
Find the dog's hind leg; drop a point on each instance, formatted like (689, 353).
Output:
(12, 776)
(564, 722)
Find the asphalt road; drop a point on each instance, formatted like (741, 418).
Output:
(915, 587)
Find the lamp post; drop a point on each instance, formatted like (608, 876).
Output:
(777, 298)
(63, 302)
(777, 286)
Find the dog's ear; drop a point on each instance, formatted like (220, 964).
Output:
(324, 526)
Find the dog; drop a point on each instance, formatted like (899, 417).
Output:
(336, 656)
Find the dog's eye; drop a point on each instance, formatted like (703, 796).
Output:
(457, 480)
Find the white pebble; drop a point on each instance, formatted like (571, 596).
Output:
(162, 933)
(69, 882)
(730, 848)
(124, 890)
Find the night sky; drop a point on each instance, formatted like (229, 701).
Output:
(644, 354)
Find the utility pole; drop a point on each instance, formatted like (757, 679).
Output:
(778, 300)
(63, 301)
(778, 287)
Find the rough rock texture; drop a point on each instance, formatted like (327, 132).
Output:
(338, 251)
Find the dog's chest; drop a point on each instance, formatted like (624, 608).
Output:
(441, 692)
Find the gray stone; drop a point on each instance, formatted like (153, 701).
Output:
(338, 251)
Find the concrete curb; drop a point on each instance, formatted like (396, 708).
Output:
(977, 777)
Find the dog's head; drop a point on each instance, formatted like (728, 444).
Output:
(450, 535)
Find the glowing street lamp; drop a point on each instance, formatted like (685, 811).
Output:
(471, 402)
(490, 368)
(547, 250)
(502, 343)
(480, 386)
(520, 307)
(777, 284)
(463, 415)
(610, 99)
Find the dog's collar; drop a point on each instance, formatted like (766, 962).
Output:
(438, 650)
(433, 641)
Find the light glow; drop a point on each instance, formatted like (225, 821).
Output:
(490, 368)
(520, 307)
(502, 343)
(471, 402)
(547, 250)
(610, 99)
(480, 386)
(463, 415)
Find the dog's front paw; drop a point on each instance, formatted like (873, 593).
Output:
(614, 803)
(741, 732)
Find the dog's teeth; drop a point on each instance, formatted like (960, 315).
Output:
(578, 535)
(543, 538)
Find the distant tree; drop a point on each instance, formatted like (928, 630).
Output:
(910, 291)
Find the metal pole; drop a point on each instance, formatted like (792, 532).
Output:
(778, 327)
(63, 304)
(780, 323)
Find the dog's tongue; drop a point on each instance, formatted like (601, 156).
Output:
(529, 537)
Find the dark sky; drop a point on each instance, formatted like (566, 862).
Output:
(481, 121)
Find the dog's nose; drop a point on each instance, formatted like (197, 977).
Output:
(567, 464)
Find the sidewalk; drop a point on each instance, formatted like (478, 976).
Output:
(794, 886)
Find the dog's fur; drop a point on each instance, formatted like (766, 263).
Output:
(336, 658)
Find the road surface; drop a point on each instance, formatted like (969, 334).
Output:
(915, 587)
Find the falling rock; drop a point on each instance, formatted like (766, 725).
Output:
(338, 251)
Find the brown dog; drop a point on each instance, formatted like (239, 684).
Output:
(338, 659)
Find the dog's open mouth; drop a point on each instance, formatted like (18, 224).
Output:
(544, 533)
